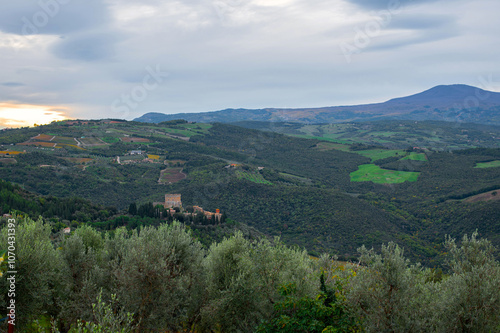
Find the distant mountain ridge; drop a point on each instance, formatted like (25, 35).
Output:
(456, 102)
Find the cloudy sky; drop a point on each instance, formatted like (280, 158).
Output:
(123, 58)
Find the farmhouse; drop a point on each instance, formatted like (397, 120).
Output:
(217, 215)
(172, 200)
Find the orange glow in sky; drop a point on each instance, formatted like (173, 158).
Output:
(19, 115)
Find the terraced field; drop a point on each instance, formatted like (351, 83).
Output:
(39, 144)
(135, 140)
(171, 176)
(43, 137)
(10, 152)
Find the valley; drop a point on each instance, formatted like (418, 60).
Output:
(315, 190)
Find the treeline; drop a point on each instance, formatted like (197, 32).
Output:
(161, 279)
(188, 216)
(73, 212)
(14, 198)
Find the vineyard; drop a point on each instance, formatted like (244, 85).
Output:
(171, 176)
(253, 177)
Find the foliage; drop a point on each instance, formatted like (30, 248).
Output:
(471, 295)
(243, 278)
(108, 319)
(39, 284)
(389, 295)
(303, 215)
(324, 313)
(163, 276)
(158, 275)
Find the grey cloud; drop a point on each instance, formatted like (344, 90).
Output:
(422, 22)
(87, 47)
(419, 38)
(12, 84)
(386, 4)
(51, 16)
(248, 56)
(428, 28)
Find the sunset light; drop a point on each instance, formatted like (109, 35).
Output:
(20, 115)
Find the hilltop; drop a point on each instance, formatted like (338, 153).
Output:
(457, 103)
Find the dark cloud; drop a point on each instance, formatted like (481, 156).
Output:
(240, 53)
(86, 47)
(54, 17)
(12, 84)
(424, 29)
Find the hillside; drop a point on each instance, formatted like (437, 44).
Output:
(394, 134)
(456, 103)
(312, 191)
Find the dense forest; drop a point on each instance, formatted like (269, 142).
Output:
(60, 213)
(160, 278)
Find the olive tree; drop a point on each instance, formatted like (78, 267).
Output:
(85, 273)
(158, 275)
(38, 283)
(243, 279)
(389, 295)
(470, 301)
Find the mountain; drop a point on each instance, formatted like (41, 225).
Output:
(449, 95)
(457, 102)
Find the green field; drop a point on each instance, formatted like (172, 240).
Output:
(492, 164)
(110, 139)
(373, 173)
(253, 177)
(91, 141)
(416, 157)
(378, 154)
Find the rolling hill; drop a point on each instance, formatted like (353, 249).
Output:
(457, 102)
(314, 192)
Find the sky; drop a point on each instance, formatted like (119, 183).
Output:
(93, 59)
